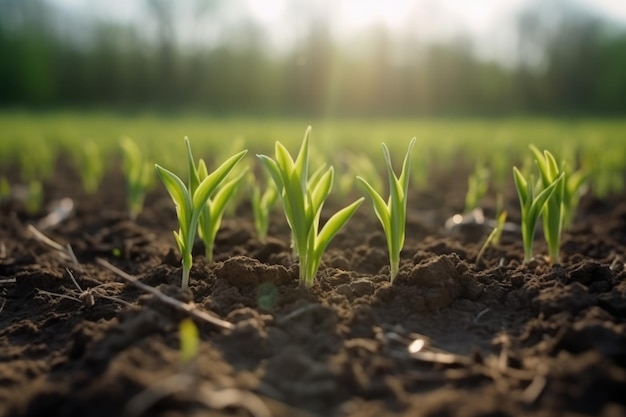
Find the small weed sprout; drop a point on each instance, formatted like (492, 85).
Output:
(262, 204)
(532, 200)
(190, 202)
(213, 211)
(137, 174)
(302, 198)
(392, 215)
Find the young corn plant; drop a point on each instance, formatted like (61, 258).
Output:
(191, 200)
(302, 198)
(90, 166)
(34, 197)
(137, 174)
(213, 211)
(533, 198)
(262, 204)
(553, 213)
(500, 216)
(223, 153)
(494, 236)
(560, 208)
(361, 165)
(189, 341)
(5, 189)
(477, 186)
(392, 214)
(575, 186)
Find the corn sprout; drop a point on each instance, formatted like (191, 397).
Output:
(5, 189)
(532, 200)
(392, 215)
(213, 211)
(137, 175)
(477, 186)
(90, 166)
(189, 340)
(494, 236)
(262, 203)
(33, 200)
(552, 213)
(302, 198)
(575, 187)
(191, 201)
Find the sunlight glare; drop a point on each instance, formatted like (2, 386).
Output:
(358, 14)
(266, 10)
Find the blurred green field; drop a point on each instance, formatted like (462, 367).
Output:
(34, 139)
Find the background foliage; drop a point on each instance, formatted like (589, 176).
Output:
(570, 63)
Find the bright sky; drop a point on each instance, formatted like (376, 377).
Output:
(475, 15)
(360, 12)
(283, 19)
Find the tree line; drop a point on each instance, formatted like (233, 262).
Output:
(575, 66)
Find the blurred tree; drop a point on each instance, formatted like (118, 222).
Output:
(568, 61)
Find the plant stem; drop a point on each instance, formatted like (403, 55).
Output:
(209, 244)
(186, 262)
(528, 236)
(394, 266)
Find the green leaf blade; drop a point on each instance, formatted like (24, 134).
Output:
(380, 206)
(178, 192)
(333, 226)
(209, 184)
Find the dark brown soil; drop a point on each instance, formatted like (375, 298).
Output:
(499, 338)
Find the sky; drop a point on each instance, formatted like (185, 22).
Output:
(489, 23)
(476, 15)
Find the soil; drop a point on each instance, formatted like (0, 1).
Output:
(449, 337)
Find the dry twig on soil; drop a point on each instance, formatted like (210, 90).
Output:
(65, 252)
(188, 308)
(85, 297)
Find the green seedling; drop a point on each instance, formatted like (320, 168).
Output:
(494, 236)
(138, 176)
(34, 197)
(302, 198)
(501, 215)
(477, 186)
(191, 201)
(262, 204)
(5, 189)
(532, 200)
(392, 215)
(90, 166)
(552, 213)
(358, 165)
(422, 159)
(189, 341)
(37, 166)
(575, 187)
(222, 153)
(213, 211)
(560, 208)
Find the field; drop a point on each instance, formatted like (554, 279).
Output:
(452, 335)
